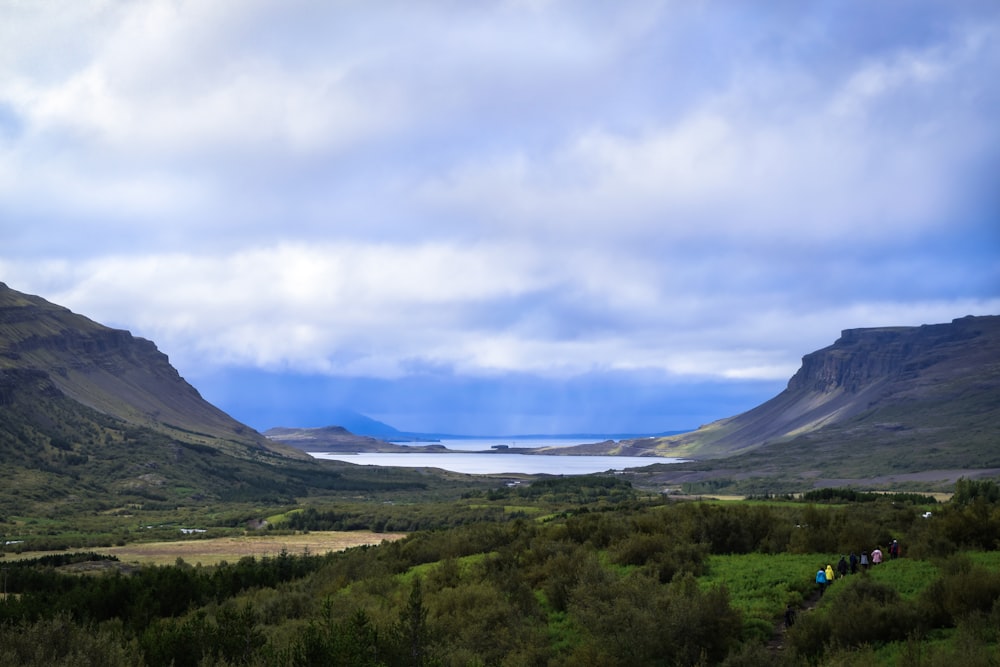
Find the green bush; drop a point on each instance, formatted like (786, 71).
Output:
(859, 612)
(60, 642)
(962, 589)
(633, 620)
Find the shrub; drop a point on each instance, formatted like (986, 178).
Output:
(59, 641)
(962, 589)
(859, 612)
(633, 620)
(639, 548)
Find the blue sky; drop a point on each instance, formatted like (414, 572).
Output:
(500, 217)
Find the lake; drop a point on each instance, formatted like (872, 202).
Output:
(465, 459)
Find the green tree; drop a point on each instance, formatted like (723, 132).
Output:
(413, 639)
(237, 635)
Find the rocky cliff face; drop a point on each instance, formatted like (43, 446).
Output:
(939, 377)
(863, 357)
(859, 358)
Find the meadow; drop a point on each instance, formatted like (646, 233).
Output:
(560, 572)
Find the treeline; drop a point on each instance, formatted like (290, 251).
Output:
(590, 585)
(834, 495)
(388, 518)
(58, 560)
(41, 591)
(583, 489)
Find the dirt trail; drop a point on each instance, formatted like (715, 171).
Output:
(777, 641)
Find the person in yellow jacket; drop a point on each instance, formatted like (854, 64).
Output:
(829, 574)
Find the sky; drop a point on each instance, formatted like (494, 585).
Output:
(507, 216)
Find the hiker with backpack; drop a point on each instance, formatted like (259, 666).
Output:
(821, 580)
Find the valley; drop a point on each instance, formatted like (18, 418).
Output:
(140, 525)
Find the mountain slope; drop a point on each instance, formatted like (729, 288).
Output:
(934, 385)
(115, 374)
(93, 418)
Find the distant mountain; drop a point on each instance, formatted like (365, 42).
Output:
(880, 407)
(360, 424)
(357, 425)
(339, 439)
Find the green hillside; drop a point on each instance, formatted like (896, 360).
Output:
(93, 419)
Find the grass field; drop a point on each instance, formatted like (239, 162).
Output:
(215, 550)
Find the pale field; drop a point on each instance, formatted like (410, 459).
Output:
(215, 550)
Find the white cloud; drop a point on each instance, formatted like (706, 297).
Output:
(538, 187)
(830, 170)
(379, 309)
(314, 306)
(247, 107)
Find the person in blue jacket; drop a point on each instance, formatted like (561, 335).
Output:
(821, 580)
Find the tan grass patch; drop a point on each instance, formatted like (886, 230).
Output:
(230, 549)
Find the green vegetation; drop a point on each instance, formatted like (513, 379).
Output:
(77, 460)
(851, 495)
(596, 574)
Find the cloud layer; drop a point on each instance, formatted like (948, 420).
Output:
(695, 192)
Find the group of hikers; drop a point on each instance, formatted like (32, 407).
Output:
(846, 565)
(850, 565)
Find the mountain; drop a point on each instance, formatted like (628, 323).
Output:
(940, 381)
(339, 439)
(884, 406)
(93, 418)
(360, 424)
(113, 373)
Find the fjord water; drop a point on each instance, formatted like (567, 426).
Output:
(477, 456)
